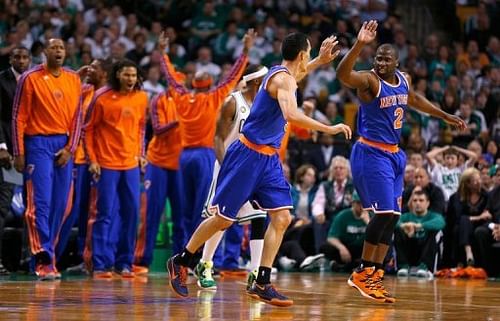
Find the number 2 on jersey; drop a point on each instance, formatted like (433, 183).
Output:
(398, 122)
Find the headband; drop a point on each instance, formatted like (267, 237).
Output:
(254, 75)
(202, 83)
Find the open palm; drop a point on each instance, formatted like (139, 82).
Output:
(368, 31)
(326, 52)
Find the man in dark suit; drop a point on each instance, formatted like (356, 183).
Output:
(20, 60)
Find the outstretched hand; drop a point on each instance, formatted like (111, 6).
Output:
(340, 129)
(163, 42)
(326, 51)
(456, 122)
(248, 39)
(368, 31)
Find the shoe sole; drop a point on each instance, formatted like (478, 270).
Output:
(180, 295)
(382, 300)
(277, 303)
(47, 278)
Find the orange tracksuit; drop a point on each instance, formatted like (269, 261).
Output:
(46, 118)
(114, 138)
(161, 181)
(197, 114)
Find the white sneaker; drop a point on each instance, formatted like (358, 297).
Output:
(425, 274)
(311, 262)
(402, 273)
(286, 263)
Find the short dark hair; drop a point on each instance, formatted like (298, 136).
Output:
(113, 80)
(251, 69)
(105, 64)
(388, 46)
(451, 151)
(19, 48)
(293, 44)
(421, 192)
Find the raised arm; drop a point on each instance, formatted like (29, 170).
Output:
(326, 55)
(431, 155)
(224, 124)
(168, 68)
(472, 157)
(345, 73)
(285, 86)
(224, 88)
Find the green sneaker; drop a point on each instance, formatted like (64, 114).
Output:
(203, 272)
(252, 276)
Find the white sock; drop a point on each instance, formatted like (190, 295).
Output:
(256, 247)
(211, 246)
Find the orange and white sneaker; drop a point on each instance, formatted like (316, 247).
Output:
(125, 273)
(45, 272)
(361, 280)
(376, 279)
(140, 270)
(102, 275)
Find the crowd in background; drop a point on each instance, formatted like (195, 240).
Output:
(452, 179)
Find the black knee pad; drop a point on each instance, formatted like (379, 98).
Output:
(258, 228)
(389, 230)
(376, 227)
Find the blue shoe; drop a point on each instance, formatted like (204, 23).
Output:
(269, 294)
(178, 276)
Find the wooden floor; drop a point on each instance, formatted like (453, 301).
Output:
(317, 297)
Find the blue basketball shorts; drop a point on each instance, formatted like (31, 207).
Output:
(247, 175)
(378, 177)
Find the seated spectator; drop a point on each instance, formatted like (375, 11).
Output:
(466, 213)
(434, 193)
(303, 192)
(487, 235)
(346, 236)
(322, 153)
(447, 176)
(152, 85)
(409, 178)
(332, 196)
(415, 236)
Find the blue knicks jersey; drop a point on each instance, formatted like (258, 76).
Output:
(381, 119)
(266, 125)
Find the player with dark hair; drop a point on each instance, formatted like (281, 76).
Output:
(251, 169)
(376, 160)
(114, 139)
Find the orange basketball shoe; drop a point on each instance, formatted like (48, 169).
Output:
(376, 279)
(361, 280)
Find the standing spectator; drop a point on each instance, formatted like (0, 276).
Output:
(46, 128)
(346, 236)
(19, 61)
(415, 236)
(114, 138)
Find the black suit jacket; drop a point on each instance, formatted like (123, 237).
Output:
(315, 156)
(7, 92)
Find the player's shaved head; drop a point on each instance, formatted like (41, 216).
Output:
(386, 47)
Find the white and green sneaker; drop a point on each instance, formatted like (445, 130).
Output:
(252, 276)
(203, 272)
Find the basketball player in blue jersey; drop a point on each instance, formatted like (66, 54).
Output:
(377, 162)
(251, 169)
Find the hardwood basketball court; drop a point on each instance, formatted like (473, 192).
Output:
(318, 296)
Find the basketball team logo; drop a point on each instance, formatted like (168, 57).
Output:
(58, 94)
(243, 109)
(147, 184)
